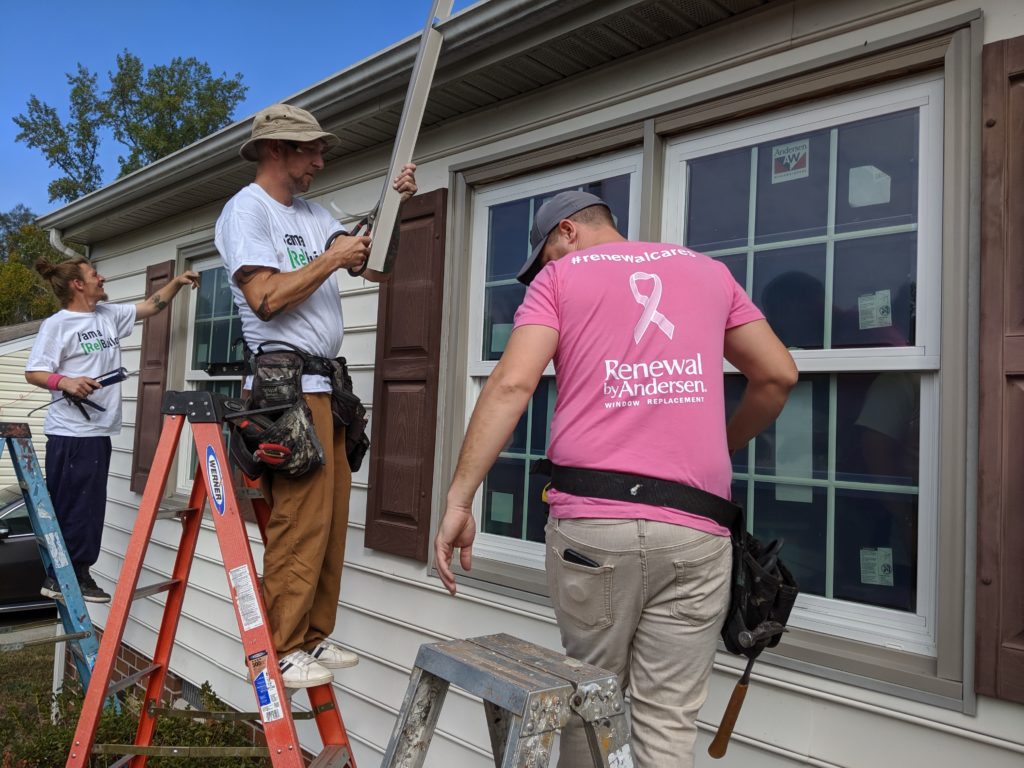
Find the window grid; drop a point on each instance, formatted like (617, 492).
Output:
(830, 484)
(479, 370)
(197, 379)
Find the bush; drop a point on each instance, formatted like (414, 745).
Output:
(32, 739)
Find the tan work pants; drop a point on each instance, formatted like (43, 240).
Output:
(306, 540)
(651, 614)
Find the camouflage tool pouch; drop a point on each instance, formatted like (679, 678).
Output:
(348, 412)
(277, 378)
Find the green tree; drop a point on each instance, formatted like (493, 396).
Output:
(24, 295)
(152, 113)
(70, 146)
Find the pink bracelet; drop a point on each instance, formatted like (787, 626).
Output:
(53, 380)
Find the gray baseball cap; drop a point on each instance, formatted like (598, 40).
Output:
(283, 121)
(561, 206)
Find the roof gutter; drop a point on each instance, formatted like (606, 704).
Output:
(480, 25)
(57, 241)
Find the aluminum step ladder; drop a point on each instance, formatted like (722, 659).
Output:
(529, 692)
(78, 630)
(213, 483)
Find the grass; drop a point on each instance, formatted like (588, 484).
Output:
(31, 738)
(23, 674)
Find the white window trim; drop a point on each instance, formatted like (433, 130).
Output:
(490, 546)
(192, 376)
(916, 633)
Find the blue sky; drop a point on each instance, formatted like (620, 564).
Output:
(279, 47)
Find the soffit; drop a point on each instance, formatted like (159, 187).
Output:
(483, 64)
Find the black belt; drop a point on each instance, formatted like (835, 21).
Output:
(639, 489)
(312, 365)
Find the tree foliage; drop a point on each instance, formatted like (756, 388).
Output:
(24, 295)
(151, 112)
(70, 146)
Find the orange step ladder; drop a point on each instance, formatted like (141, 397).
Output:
(213, 483)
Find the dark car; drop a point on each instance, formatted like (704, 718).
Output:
(21, 569)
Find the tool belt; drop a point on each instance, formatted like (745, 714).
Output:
(279, 433)
(763, 590)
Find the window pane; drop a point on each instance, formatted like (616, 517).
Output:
(216, 324)
(737, 264)
(795, 446)
(877, 172)
(508, 245)
(875, 291)
(508, 239)
(876, 548)
(798, 515)
(878, 427)
(503, 498)
(509, 489)
(857, 435)
(500, 305)
(792, 187)
(717, 217)
(789, 287)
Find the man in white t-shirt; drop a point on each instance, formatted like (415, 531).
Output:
(282, 278)
(74, 350)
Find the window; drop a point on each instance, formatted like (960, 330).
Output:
(213, 328)
(829, 216)
(509, 510)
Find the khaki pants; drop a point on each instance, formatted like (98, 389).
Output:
(306, 540)
(651, 614)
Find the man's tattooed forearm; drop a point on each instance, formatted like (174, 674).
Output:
(158, 302)
(265, 313)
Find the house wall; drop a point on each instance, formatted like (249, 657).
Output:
(390, 605)
(17, 398)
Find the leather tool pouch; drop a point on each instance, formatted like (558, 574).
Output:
(348, 412)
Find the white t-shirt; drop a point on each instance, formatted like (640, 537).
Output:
(255, 230)
(83, 344)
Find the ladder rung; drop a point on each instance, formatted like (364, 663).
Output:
(331, 757)
(167, 513)
(247, 492)
(76, 651)
(131, 750)
(155, 588)
(14, 638)
(228, 716)
(128, 682)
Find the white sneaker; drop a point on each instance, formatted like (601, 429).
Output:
(332, 656)
(300, 670)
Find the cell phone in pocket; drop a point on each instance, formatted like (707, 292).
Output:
(572, 556)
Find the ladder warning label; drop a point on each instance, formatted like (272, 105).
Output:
(266, 689)
(245, 597)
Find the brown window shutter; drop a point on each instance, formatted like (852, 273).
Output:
(405, 384)
(156, 337)
(1000, 578)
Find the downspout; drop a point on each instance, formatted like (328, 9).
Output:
(60, 245)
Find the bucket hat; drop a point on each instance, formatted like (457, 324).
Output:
(283, 121)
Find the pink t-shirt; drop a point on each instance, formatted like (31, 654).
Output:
(641, 328)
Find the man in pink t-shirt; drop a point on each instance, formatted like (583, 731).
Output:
(638, 333)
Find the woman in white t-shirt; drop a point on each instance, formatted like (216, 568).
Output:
(73, 351)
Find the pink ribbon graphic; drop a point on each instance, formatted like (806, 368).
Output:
(650, 305)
